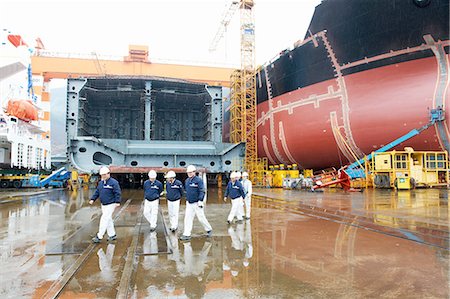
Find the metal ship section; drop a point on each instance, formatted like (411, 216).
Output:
(134, 124)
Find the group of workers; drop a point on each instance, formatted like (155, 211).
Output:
(109, 192)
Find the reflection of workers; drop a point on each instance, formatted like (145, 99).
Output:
(150, 250)
(194, 270)
(248, 246)
(195, 287)
(195, 264)
(236, 192)
(108, 190)
(195, 193)
(237, 236)
(105, 263)
(247, 184)
(236, 252)
(174, 189)
(152, 191)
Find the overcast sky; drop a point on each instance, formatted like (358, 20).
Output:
(175, 30)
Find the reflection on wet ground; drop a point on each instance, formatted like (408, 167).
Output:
(287, 250)
(420, 215)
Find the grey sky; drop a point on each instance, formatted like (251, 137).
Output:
(175, 30)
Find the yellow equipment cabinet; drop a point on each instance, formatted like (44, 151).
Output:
(74, 176)
(280, 172)
(383, 161)
(308, 173)
(404, 183)
(277, 178)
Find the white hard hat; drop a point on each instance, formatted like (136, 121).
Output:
(104, 170)
(170, 174)
(233, 175)
(152, 174)
(246, 263)
(225, 267)
(234, 273)
(191, 168)
(238, 174)
(245, 174)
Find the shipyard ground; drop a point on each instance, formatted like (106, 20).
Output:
(298, 244)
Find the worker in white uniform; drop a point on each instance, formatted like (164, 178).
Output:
(247, 184)
(152, 191)
(195, 193)
(240, 212)
(236, 193)
(108, 190)
(174, 192)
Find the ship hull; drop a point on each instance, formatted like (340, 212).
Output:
(366, 73)
(312, 126)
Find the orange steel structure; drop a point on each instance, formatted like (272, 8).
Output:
(63, 67)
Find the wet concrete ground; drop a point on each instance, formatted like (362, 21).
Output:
(286, 250)
(420, 215)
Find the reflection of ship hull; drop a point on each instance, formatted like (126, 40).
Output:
(329, 257)
(352, 86)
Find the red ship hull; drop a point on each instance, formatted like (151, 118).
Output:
(329, 123)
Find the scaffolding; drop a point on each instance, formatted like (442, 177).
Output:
(236, 108)
(243, 90)
(243, 97)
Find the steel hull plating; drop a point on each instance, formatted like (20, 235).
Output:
(328, 123)
(365, 74)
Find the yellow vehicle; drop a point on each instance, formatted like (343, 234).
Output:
(409, 169)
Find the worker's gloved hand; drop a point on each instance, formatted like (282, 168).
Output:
(162, 193)
(91, 202)
(225, 199)
(200, 204)
(117, 204)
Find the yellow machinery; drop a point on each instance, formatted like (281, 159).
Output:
(279, 172)
(292, 171)
(308, 173)
(404, 183)
(73, 182)
(408, 169)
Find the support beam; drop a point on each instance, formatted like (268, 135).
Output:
(148, 110)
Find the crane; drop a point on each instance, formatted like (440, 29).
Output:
(226, 19)
(243, 87)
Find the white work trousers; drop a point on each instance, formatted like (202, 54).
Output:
(193, 209)
(248, 205)
(174, 208)
(106, 221)
(151, 211)
(236, 209)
